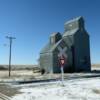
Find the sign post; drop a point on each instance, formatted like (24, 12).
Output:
(62, 62)
(62, 74)
(62, 57)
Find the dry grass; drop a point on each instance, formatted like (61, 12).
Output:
(97, 91)
(95, 65)
(18, 73)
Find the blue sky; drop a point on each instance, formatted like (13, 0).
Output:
(32, 22)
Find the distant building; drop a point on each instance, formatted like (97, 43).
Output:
(76, 39)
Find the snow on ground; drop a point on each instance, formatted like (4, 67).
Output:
(76, 89)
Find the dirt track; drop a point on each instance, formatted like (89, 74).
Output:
(7, 90)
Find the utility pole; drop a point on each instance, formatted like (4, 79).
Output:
(10, 52)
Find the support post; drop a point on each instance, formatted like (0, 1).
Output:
(10, 52)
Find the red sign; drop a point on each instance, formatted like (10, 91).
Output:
(62, 61)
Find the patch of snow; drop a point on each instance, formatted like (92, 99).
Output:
(78, 89)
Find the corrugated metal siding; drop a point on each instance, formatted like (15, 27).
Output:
(82, 51)
(46, 61)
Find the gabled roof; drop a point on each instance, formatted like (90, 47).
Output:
(74, 20)
(49, 48)
(70, 32)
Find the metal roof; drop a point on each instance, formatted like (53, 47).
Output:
(70, 32)
(74, 19)
(49, 48)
